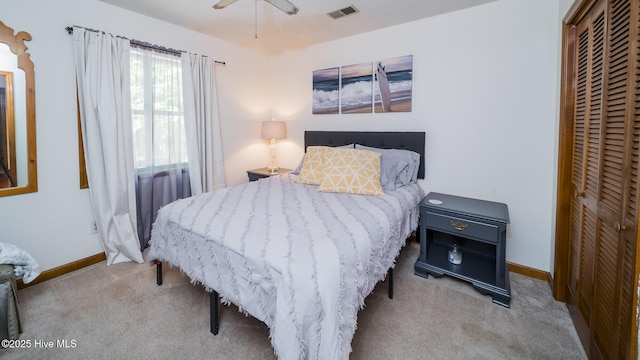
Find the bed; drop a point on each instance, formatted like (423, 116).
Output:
(300, 260)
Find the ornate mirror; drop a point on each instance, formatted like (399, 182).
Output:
(18, 170)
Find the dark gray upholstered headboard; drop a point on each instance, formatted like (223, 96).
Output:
(413, 141)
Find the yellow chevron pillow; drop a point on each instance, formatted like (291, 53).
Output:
(351, 171)
(312, 171)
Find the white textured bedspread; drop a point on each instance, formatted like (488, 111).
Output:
(300, 260)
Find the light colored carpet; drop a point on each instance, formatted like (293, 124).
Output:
(119, 312)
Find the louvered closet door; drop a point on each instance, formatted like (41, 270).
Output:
(604, 178)
(613, 293)
(586, 155)
(590, 47)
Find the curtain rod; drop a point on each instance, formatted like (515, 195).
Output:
(141, 43)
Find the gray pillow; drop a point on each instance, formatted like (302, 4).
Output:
(301, 163)
(397, 167)
(390, 172)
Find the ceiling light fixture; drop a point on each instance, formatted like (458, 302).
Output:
(283, 5)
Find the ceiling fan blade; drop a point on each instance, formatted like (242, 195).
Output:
(284, 5)
(223, 4)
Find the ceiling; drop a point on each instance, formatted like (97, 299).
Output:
(277, 31)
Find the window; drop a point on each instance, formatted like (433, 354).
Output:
(157, 113)
(159, 140)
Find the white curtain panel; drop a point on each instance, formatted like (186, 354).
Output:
(102, 71)
(204, 141)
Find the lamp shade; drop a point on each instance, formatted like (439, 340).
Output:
(274, 130)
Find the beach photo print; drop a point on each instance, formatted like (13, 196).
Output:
(356, 92)
(393, 84)
(326, 91)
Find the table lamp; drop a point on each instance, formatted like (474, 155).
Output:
(273, 130)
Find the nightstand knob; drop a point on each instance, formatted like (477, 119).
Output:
(577, 194)
(459, 225)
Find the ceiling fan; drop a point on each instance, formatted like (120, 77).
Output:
(283, 5)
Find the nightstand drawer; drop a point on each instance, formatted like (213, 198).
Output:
(462, 227)
(254, 177)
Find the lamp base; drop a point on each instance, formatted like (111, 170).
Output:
(273, 167)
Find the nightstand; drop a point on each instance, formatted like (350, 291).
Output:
(479, 230)
(261, 173)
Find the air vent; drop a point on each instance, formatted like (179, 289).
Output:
(343, 12)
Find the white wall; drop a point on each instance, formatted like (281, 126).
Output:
(485, 89)
(53, 224)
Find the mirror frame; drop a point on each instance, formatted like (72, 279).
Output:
(17, 46)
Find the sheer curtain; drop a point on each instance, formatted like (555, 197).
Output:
(102, 72)
(160, 146)
(202, 124)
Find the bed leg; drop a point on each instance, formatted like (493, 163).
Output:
(213, 304)
(390, 283)
(158, 271)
